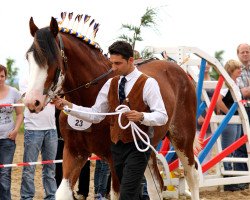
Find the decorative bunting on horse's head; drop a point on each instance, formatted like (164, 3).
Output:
(78, 26)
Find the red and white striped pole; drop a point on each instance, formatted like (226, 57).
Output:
(45, 162)
(12, 105)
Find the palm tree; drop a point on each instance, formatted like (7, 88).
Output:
(218, 55)
(148, 20)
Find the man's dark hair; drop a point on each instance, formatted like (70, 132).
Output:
(121, 48)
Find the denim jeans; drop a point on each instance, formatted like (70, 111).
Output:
(229, 135)
(144, 192)
(101, 176)
(7, 150)
(34, 142)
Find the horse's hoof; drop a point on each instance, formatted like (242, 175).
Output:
(79, 197)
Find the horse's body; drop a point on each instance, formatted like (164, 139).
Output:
(84, 64)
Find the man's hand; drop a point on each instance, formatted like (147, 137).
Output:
(134, 116)
(60, 103)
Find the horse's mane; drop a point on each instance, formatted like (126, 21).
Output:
(81, 37)
(44, 47)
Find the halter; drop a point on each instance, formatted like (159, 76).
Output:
(56, 87)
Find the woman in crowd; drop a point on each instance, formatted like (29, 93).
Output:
(232, 132)
(8, 131)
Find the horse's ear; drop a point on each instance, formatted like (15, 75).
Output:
(33, 27)
(54, 26)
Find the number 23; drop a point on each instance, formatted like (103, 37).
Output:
(78, 122)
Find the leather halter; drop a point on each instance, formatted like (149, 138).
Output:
(56, 86)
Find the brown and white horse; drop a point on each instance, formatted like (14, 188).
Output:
(62, 60)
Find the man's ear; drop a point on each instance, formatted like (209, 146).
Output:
(131, 60)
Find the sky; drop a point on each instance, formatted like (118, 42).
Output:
(210, 25)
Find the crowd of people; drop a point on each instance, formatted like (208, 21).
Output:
(42, 135)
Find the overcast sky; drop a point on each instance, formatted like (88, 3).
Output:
(210, 25)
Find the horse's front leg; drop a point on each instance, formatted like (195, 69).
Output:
(72, 166)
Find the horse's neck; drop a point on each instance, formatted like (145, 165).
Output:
(84, 67)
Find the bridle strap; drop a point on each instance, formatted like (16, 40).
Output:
(58, 70)
(61, 45)
(86, 85)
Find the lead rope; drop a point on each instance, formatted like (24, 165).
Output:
(135, 131)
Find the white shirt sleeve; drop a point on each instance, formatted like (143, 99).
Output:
(152, 97)
(101, 106)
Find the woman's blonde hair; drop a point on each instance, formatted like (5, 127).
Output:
(232, 65)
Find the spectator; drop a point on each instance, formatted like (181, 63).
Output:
(40, 135)
(59, 153)
(232, 132)
(243, 53)
(8, 131)
(83, 182)
(101, 178)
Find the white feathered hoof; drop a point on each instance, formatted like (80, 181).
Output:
(64, 191)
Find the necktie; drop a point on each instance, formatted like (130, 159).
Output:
(121, 90)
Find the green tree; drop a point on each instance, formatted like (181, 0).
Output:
(219, 56)
(148, 20)
(12, 71)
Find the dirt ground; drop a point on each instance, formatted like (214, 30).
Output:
(210, 194)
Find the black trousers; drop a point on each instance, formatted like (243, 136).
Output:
(84, 179)
(242, 150)
(59, 156)
(130, 165)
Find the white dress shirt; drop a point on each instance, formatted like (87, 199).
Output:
(151, 97)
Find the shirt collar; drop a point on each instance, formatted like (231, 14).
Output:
(131, 75)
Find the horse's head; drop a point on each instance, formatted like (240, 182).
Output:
(45, 65)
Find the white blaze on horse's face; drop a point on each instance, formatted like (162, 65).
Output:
(34, 98)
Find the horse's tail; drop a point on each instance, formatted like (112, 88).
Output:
(197, 146)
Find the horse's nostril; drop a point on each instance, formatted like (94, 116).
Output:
(37, 103)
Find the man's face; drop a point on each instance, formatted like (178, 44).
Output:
(244, 53)
(121, 65)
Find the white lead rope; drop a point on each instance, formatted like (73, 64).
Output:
(135, 129)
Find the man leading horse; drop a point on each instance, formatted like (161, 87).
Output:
(142, 94)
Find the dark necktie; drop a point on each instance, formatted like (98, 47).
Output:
(121, 90)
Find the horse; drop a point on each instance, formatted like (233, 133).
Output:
(62, 62)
